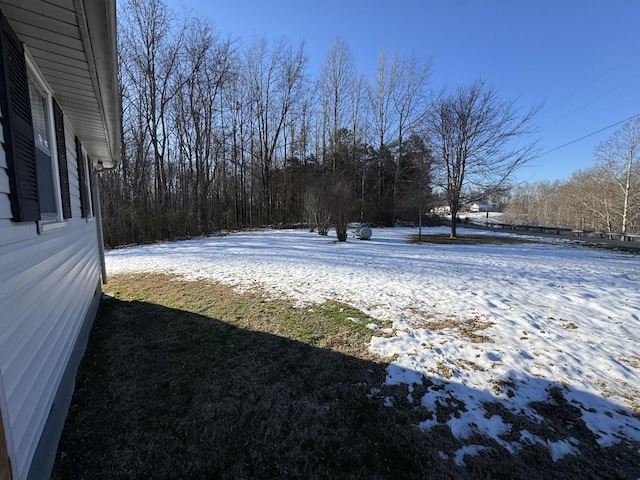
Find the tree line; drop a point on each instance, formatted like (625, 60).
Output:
(605, 197)
(223, 134)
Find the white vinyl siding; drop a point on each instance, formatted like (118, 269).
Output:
(47, 282)
(50, 270)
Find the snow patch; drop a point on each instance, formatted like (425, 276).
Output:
(472, 450)
(483, 323)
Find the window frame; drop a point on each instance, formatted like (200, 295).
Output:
(48, 221)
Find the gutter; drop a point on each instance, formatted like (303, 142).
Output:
(95, 192)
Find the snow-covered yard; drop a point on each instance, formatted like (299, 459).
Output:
(483, 323)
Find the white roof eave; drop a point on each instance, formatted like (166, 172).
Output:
(73, 42)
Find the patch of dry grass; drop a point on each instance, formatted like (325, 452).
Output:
(633, 361)
(467, 329)
(327, 325)
(469, 239)
(195, 380)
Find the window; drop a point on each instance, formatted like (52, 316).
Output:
(40, 117)
(34, 142)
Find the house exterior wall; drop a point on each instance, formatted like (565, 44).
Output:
(48, 286)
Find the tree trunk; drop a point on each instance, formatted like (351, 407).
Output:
(454, 221)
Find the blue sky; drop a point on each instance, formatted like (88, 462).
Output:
(579, 58)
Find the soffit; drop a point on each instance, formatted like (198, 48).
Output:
(73, 43)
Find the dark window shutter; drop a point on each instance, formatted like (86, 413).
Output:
(18, 131)
(63, 170)
(90, 188)
(82, 180)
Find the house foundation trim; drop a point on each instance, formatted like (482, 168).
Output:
(45, 454)
(5, 464)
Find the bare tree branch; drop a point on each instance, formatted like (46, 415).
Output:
(475, 138)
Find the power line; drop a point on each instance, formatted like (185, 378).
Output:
(592, 81)
(588, 135)
(587, 104)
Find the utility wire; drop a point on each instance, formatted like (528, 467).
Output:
(588, 135)
(586, 105)
(592, 81)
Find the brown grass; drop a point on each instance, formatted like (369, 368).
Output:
(633, 361)
(467, 329)
(194, 380)
(469, 239)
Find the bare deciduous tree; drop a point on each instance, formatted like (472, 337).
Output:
(335, 83)
(317, 208)
(619, 159)
(151, 70)
(474, 140)
(408, 104)
(275, 78)
(340, 206)
(380, 93)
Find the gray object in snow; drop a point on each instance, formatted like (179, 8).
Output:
(363, 232)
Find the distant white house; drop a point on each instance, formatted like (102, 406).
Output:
(60, 123)
(481, 207)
